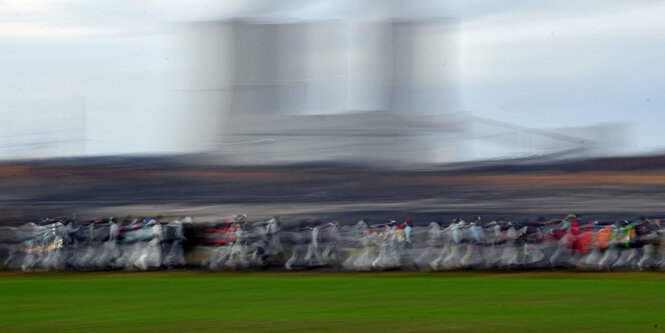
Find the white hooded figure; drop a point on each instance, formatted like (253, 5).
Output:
(237, 255)
(359, 259)
(492, 250)
(298, 248)
(433, 242)
(511, 251)
(49, 251)
(112, 243)
(151, 254)
(272, 233)
(648, 258)
(563, 254)
(628, 259)
(313, 254)
(219, 257)
(174, 252)
(87, 252)
(58, 255)
(108, 250)
(592, 257)
(31, 256)
(659, 260)
(474, 255)
(113, 231)
(388, 256)
(331, 253)
(383, 240)
(131, 246)
(15, 249)
(371, 241)
(533, 254)
(448, 245)
(407, 233)
(456, 249)
(608, 258)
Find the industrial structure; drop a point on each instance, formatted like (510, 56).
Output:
(252, 91)
(380, 91)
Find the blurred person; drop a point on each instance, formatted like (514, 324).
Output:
(510, 256)
(563, 254)
(298, 248)
(590, 259)
(331, 237)
(313, 255)
(360, 259)
(264, 240)
(238, 257)
(492, 254)
(533, 238)
(452, 253)
(387, 239)
(151, 254)
(628, 252)
(174, 236)
(473, 256)
(611, 253)
(274, 243)
(407, 232)
(433, 243)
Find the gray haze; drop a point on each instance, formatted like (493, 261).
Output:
(143, 76)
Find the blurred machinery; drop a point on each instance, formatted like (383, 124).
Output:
(364, 91)
(257, 91)
(379, 91)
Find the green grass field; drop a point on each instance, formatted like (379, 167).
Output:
(313, 302)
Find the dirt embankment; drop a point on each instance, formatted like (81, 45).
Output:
(31, 191)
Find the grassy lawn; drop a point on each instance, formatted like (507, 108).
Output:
(311, 302)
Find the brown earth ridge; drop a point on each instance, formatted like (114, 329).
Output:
(610, 188)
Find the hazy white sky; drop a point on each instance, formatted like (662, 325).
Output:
(532, 63)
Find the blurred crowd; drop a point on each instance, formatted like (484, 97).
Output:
(236, 243)
(60, 244)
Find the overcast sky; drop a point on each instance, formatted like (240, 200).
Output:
(532, 63)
